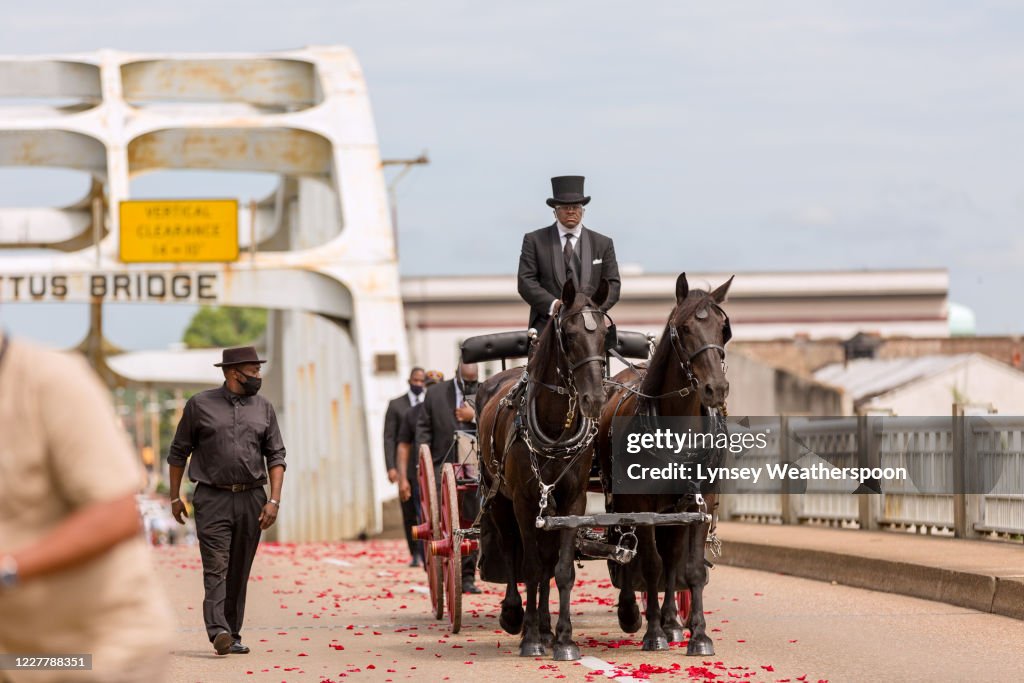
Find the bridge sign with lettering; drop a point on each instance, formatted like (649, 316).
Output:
(179, 230)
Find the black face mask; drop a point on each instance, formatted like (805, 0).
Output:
(469, 388)
(251, 385)
(416, 389)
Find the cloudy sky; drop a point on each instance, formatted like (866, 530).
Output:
(714, 136)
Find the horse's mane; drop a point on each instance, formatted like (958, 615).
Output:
(547, 348)
(663, 353)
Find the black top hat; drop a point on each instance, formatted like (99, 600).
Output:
(567, 189)
(244, 354)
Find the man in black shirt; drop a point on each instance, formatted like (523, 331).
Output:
(234, 443)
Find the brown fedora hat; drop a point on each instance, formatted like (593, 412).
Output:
(243, 354)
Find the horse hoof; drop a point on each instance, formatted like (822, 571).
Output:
(629, 619)
(511, 619)
(700, 646)
(655, 643)
(566, 653)
(674, 634)
(547, 637)
(531, 650)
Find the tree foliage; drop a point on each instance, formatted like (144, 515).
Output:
(225, 326)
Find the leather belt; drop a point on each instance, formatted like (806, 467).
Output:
(235, 488)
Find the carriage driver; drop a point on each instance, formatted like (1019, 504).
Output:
(565, 249)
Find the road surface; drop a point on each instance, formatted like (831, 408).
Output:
(354, 611)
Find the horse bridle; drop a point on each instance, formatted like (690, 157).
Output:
(571, 449)
(590, 324)
(677, 346)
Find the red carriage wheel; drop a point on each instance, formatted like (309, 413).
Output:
(683, 603)
(452, 562)
(431, 519)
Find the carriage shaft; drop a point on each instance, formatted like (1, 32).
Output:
(608, 519)
(604, 551)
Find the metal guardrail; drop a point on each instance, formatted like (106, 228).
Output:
(987, 456)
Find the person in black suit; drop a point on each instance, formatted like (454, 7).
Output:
(406, 458)
(566, 249)
(397, 408)
(449, 407)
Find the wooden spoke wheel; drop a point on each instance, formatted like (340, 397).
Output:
(430, 514)
(452, 562)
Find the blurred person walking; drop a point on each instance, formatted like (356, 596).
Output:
(234, 442)
(407, 461)
(449, 407)
(76, 577)
(398, 408)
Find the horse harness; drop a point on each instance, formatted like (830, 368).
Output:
(566, 447)
(646, 407)
(646, 401)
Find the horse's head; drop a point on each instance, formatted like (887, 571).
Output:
(699, 330)
(581, 329)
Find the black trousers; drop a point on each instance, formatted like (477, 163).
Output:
(228, 528)
(411, 517)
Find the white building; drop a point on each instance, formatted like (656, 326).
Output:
(441, 311)
(927, 385)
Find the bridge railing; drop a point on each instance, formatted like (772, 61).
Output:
(966, 476)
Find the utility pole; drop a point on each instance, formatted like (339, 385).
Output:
(406, 165)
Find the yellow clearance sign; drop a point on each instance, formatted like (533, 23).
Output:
(179, 230)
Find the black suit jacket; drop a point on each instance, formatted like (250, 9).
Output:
(542, 269)
(397, 408)
(436, 425)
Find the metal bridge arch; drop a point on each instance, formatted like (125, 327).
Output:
(319, 251)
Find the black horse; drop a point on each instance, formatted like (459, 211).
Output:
(685, 377)
(536, 439)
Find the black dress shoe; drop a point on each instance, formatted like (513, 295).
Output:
(415, 561)
(469, 587)
(222, 642)
(238, 649)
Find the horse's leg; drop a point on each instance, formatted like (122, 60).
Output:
(628, 611)
(544, 610)
(697, 578)
(549, 545)
(671, 548)
(531, 644)
(654, 638)
(533, 573)
(565, 649)
(511, 619)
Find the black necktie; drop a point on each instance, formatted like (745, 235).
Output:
(567, 251)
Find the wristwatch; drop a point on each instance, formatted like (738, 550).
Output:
(276, 503)
(8, 572)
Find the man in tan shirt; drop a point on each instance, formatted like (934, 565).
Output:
(75, 575)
